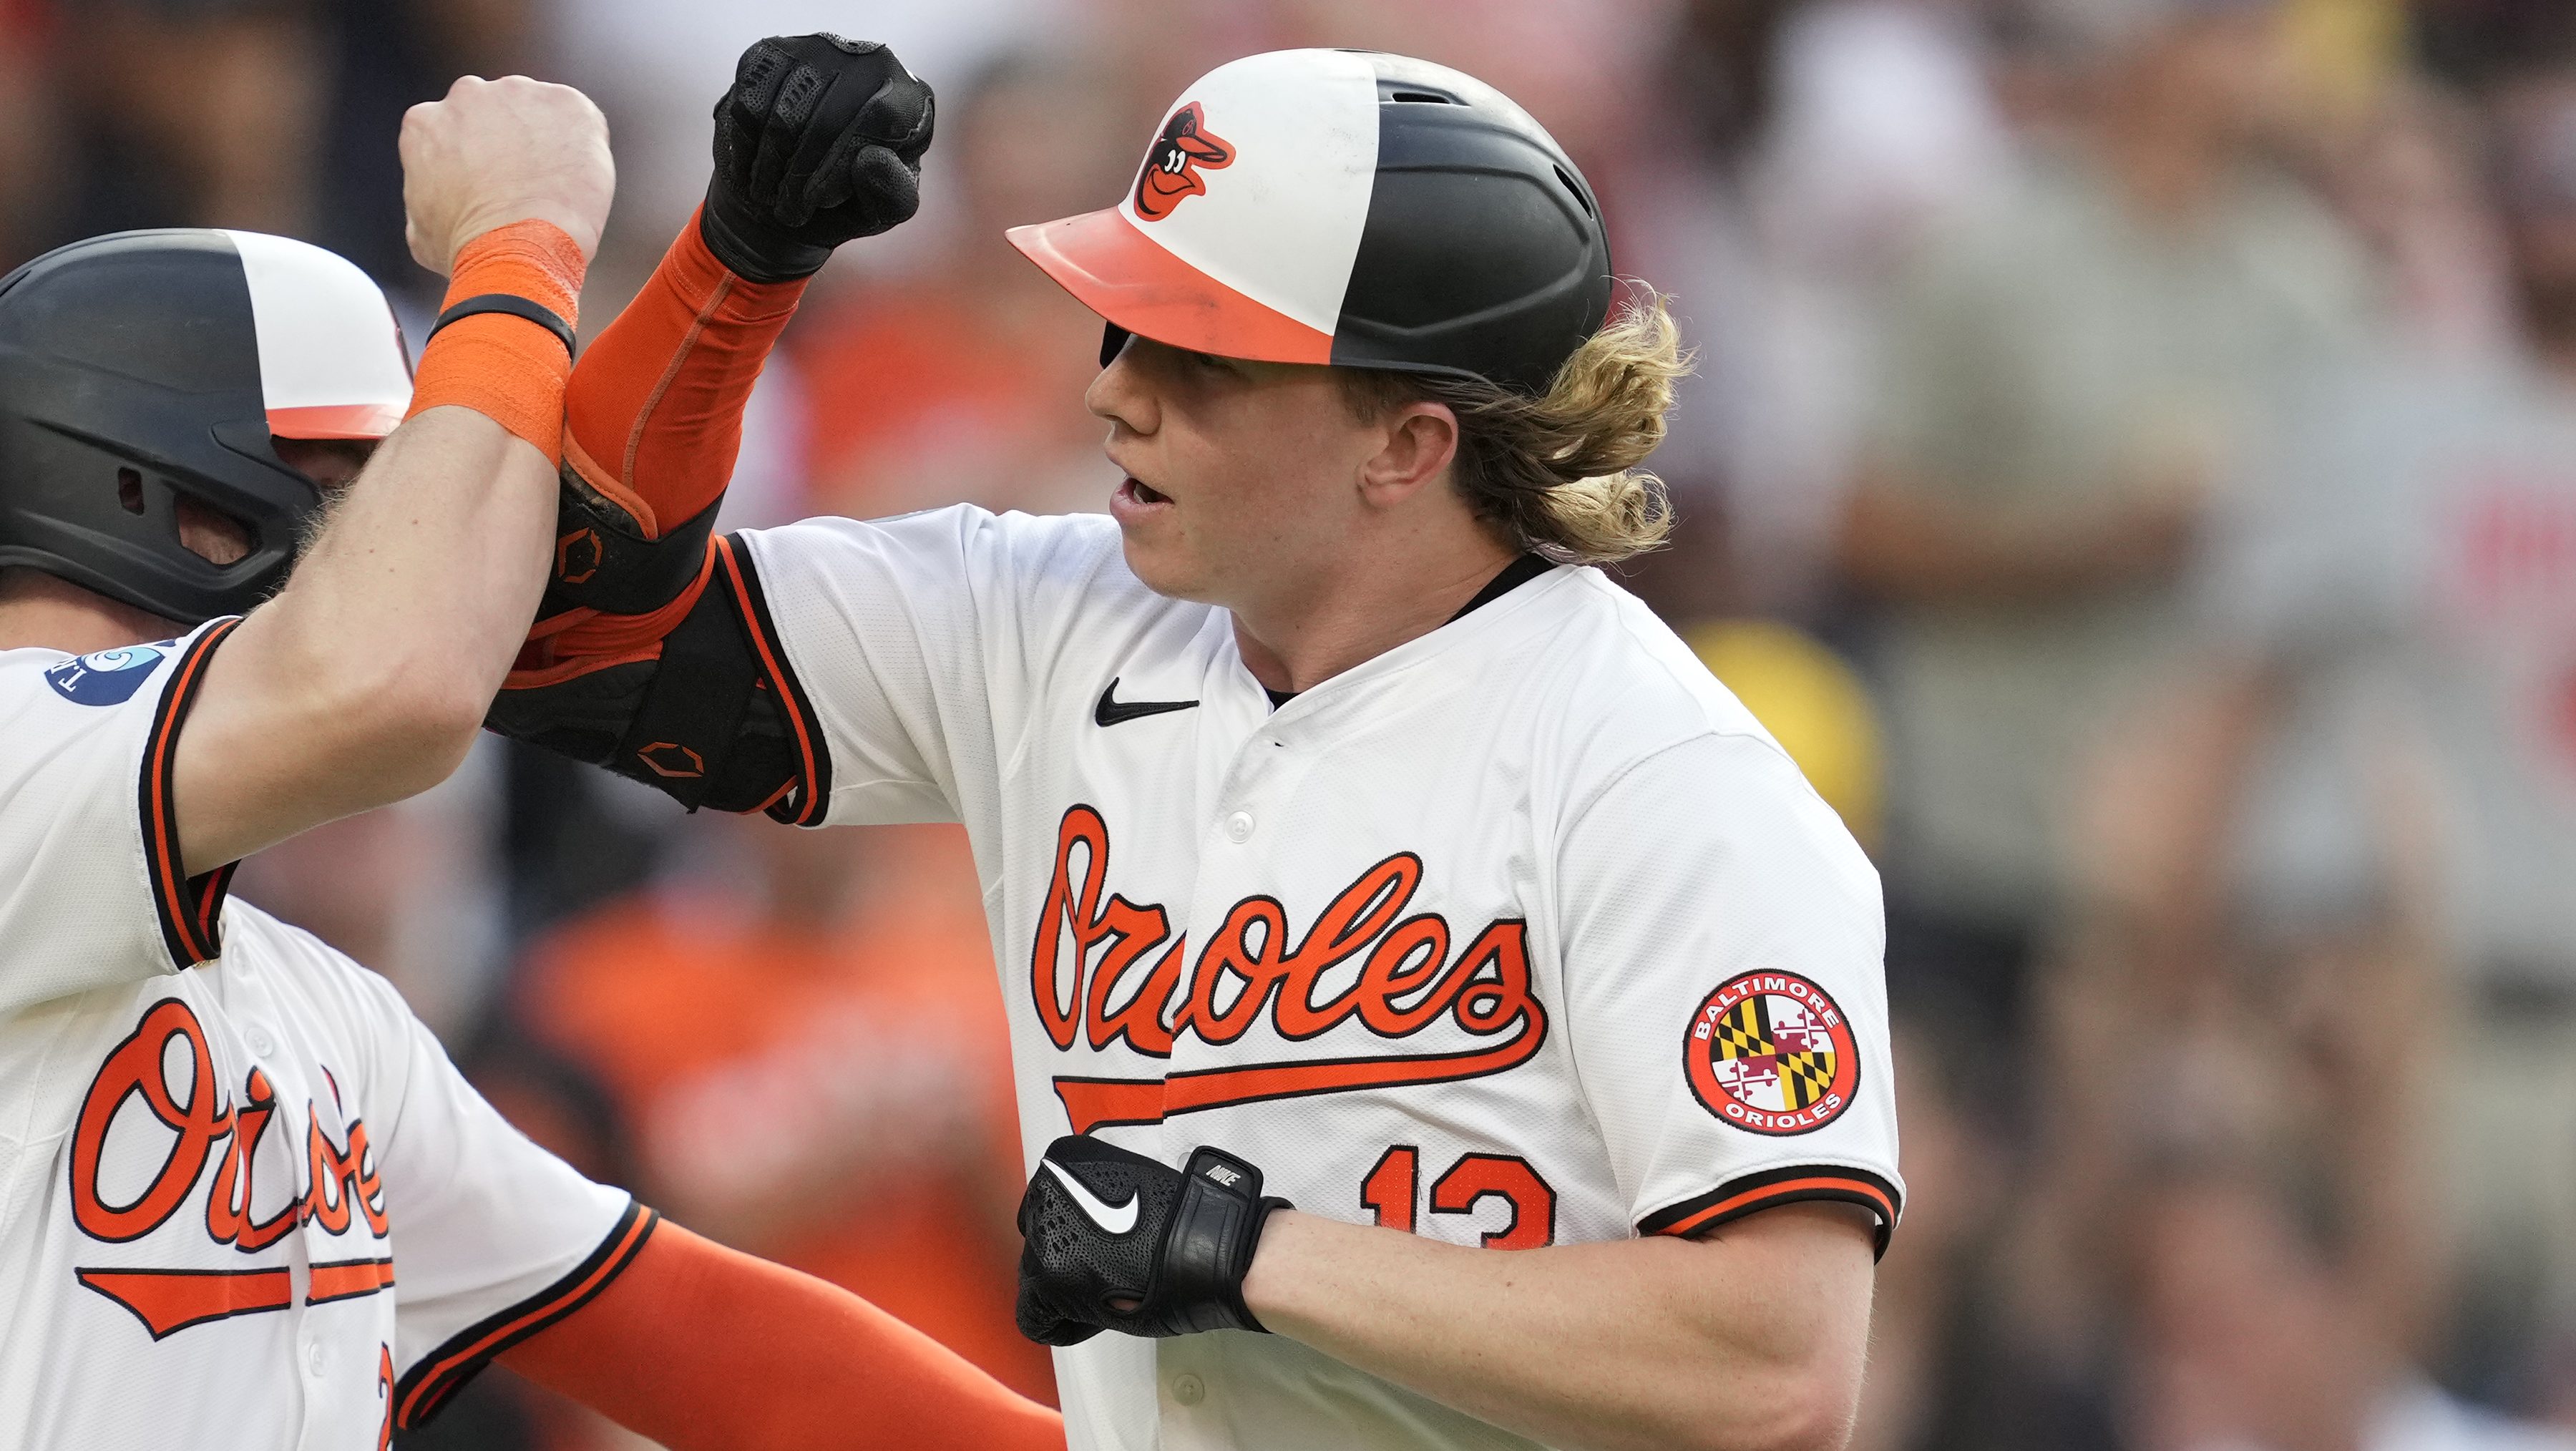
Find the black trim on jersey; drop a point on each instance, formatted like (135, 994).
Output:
(813, 791)
(1771, 1188)
(190, 910)
(439, 1375)
(711, 715)
(1512, 576)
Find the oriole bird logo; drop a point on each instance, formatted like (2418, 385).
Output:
(1172, 167)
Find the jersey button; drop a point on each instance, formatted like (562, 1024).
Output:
(314, 1357)
(1238, 827)
(262, 1044)
(1189, 1390)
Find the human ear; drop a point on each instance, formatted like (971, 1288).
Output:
(1421, 440)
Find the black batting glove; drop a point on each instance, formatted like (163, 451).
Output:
(819, 141)
(1117, 1241)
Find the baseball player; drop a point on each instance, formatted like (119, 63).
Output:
(245, 1200)
(1441, 1015)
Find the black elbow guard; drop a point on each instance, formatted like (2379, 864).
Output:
(717, 719)
(603, 561)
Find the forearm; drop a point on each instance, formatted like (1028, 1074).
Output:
(1723, 1342)
(653, 415)
(374, 657)
(376, 661)
(652, 425)
(703, 1348)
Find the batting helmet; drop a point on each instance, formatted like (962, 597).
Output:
(1347, 207)
(141, 366)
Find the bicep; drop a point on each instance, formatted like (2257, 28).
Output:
(1714, 906)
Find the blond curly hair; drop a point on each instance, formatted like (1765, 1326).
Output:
(1558, 473)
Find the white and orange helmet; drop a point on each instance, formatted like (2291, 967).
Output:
(1346, 207)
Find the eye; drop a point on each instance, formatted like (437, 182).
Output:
(1210, 362)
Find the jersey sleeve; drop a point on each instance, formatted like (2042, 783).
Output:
(91, 891)
(914, 643)
(1723, 942)
(494, 1238)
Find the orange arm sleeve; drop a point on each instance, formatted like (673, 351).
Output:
(703, 1348)
(653, 415)
(653, 419)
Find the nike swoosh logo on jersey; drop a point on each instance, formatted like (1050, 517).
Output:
(1111, 710)
(1116, 1219)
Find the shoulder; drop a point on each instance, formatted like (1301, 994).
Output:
(1659, 742)
(1640, 682)
(61, 692)
(1029, 555)
(329, 987)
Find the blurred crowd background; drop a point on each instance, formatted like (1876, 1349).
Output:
(2132, 464)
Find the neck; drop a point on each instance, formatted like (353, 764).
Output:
(38, 611)
(1365, 611)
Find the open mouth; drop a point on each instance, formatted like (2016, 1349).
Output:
(1137, 492)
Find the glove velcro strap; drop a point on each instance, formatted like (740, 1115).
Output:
(1215, 1229)
(602, 564)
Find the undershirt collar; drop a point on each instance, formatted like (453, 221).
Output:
(1510, 577)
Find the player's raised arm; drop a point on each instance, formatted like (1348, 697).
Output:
(650, 655)
(364, 681)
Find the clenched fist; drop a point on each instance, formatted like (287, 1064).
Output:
(497, 152)
(818, 141)
(1117, 1241)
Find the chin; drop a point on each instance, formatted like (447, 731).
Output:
(1159, 570)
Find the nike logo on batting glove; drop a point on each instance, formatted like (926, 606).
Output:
(1113, 1218)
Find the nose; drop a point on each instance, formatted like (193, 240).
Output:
(1121, 395)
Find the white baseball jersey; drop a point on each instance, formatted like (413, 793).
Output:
(1523, 933)
(245, 1200)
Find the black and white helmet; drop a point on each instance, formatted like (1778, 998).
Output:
(1351, 208)
(142, 366)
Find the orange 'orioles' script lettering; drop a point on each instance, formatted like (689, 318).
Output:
(342, 1184)
(1095, 977)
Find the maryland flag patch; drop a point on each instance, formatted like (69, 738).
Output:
(1769, 1052)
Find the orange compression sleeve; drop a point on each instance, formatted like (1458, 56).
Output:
(652, 422)
(653, 417)
(703, 1348)
(507, 368)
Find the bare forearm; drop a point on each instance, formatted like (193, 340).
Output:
(406, 613)
(1726, 1342)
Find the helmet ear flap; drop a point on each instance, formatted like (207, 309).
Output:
(1112, 338)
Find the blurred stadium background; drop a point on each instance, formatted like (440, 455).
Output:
(2132, 464)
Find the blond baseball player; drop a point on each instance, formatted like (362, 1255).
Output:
(245, 1200)
(1442, 1016)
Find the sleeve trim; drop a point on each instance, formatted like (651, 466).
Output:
(807, 806)
(444, 1371)
(1772, 1188)
(188, 908)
